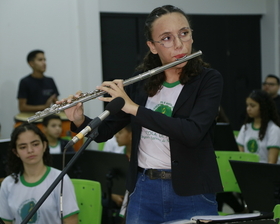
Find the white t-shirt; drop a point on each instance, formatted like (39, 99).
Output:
(55, 149)
(249, 139)
(112, 146)
(17, 199)
(154, 148)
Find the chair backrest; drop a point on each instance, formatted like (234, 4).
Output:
(235, 133)
(88, 195)
(227, 176)
(276, 211)
(101, 146)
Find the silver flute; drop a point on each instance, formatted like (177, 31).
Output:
(57, 108)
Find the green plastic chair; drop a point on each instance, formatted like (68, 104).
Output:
(227, 176)
(229, 181)
(235, 133)
(101, 146)
(276, 212)
(88, 194)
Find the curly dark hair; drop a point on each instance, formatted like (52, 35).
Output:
(268, 111)
(15, 165)
(150, 61)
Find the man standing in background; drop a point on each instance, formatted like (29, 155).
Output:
(36, 91)
(271, 86)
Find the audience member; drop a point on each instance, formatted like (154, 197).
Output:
(30, 176)
(52, 127)
(123, 138)
(271, 85)
(172, 116)
(112, 146)
(36, 91)
(261, 130)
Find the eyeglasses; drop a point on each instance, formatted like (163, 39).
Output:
(269, 84)
(168, 39)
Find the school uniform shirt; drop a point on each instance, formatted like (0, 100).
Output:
(249, 139)
(18, 199)
(112, 146)
(163, 102)
(60, 146)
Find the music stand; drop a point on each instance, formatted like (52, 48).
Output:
(109, 169)
(259, 184)
(75, 169)
(4, 145)
(97, 165)
(224, 139)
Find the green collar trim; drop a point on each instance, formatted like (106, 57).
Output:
(171, 85)
(256, 129)
(58, 142)
(36, 183)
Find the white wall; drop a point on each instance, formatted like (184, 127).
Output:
(69, 33)
(189, 6)
(270, 39)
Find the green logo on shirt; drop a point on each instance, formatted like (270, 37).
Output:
(25, 209)
(164, 109)
(252, 146)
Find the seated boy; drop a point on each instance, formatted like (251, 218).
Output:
(52, 127)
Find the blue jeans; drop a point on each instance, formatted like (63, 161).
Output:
(154, 202)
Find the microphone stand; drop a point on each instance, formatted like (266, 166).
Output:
(90, 136)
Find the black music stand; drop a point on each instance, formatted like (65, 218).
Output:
(98, 165)
(224, 139)
(74, 171)
(4, 145)
(110, 169)
(259, 184)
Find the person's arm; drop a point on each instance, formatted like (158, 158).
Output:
(5, 209)
(273, 155)
(6, 222)
(195, 116)
(273, 142)
(73, 219)
(240, 140)
(24, 107)
(241, 148)
(188, 128)
(118, 199)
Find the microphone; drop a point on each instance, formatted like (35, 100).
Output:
(112, 108)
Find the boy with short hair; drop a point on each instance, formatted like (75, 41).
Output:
(52, 127)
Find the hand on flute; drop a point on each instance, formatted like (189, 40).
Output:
(115, 89)
(75, 113)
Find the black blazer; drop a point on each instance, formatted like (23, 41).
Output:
(193, 161)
